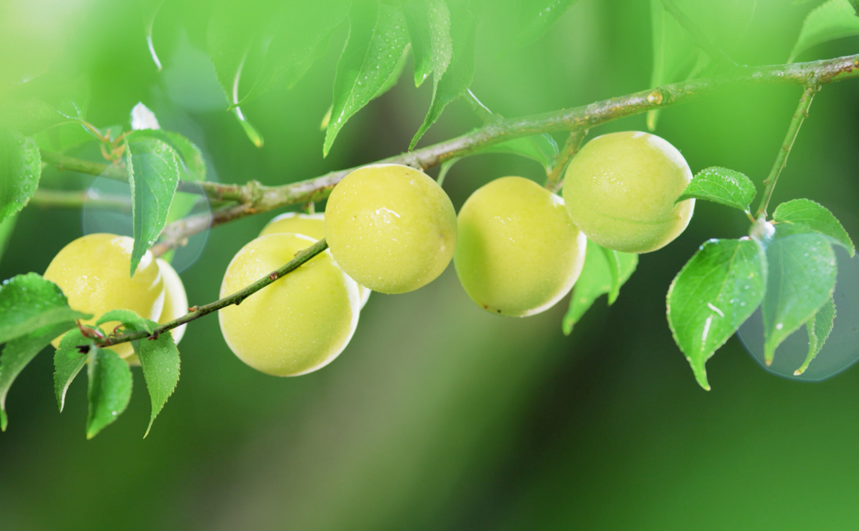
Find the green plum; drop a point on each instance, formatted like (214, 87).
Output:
(620, 191)
(390, 227)
(518, 252)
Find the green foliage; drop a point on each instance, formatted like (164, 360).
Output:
(150, 11)
(537, 16)
(714, 293)
(818, 327)
(804, 215)
(45, 101)
(721, 185)
(464, 19)
(69, 359)
(676, 57)
(604, 272)
(541, 148)
(160, 361)
(109, 389)
(801, 278)
(20, 169)
(429, 29)
(300, 37)
(153, 175)
(29, 303)
(6, 228)
(831, 20)
(377, 37)
(20, 351)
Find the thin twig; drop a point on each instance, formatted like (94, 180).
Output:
(196, 312)
(47, 198)
(781, 159)
(571, 147)
(117, 172)
(698, 35)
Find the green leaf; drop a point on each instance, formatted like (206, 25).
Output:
(538, 16)
(802, 273)
(160, 361)
(69, 359)
(464, 18)
(394, 78)
(109, 389)
(721, 185)
(620, 266)
(20, 169)
(43, 102)
(63, 137)
(832, 20)
(6, 228)
(128, 318)
(301, 36)
(234, 29)
(605, 271)
(429, 29)
(29, 303)
(818, 327)
(675, 54)
(21, 351)
(150, 10)
(250, 131)
(808, 216)
(541, 148)
(153, 175)
(377, 37)
(714, 293)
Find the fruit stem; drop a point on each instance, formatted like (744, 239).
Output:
(792, 131)
(556, 173)
(199, 311)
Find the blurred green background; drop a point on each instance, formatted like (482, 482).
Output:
(440, 415)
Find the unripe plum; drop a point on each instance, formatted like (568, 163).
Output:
(312, 225)
(93, 272)
(390, 227)
(518, 252)
(620, 191)
(296, 325)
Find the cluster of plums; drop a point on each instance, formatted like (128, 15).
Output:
(517, 248)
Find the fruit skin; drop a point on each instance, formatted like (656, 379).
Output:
(175, 305)
(390, 227)
(620, 191)
(93, 270)
(296, 325)
(175, 299)
(518, 253)
(312, 225)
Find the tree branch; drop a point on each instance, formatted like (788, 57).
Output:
(781, 159)
(196, 312)
(584, 117)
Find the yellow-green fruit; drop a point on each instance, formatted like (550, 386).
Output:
(620, 191)
(175, 299)
(518, 252)
(296, 325)
(93, 272)
(390, 227)
(312, 225)
(175, 304)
